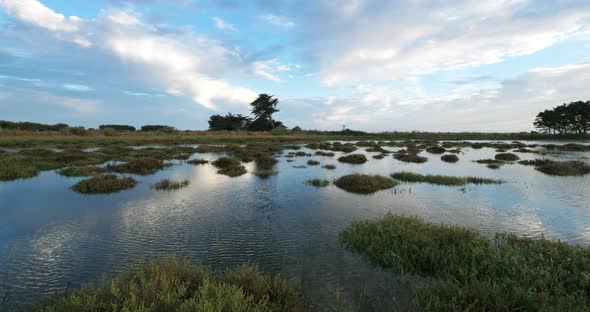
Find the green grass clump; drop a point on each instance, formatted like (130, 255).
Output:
(436, 150)
(440, 179)
(312, 162)
(329, 167)
(507, 157)
(493, 166)
(13, 167)
(226, 162)
(450, 158)
(318, 182)
(176, 285)
(229, 166)
(102, 184)
(265, 162)
(410, 158)
(558, 168)
(197, 161)
(353, 159)
(142, 166)
(380, 156)
(266, 173)
(170, 185)
(86, 171)
(473, 273)
(364, 183)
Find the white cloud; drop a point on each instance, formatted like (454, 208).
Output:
(279, 20)
(77, 87)
(223, 25)
(391, 40)
(35, 13)
(510, 106)
(269, 69)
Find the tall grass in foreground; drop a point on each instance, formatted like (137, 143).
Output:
(441, 180)
(175, 285)
(473, 273)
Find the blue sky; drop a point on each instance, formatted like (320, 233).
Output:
(370, 65)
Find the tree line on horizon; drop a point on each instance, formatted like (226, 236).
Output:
(572, 118)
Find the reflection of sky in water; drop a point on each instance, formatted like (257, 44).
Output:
(50, 236)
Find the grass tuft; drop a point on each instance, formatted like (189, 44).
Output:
(141, 166)
(312, 162)
(329, 167)
(14, 167)
(507, 157)
(410, 158)
(353, 159)
(450, 158)
(103, 184)
(364, 183)
(440, 179)
(170, 185)
(318, 182)
(436, 150)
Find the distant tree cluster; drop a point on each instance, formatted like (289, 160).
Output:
(161, 128)
(31, 126)
(117, 127)
(572, 118)
(262, 110)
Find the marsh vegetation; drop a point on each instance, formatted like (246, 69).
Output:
(364, 183)
(170, 185)
(353, 159)
(318, 182)
(441, 180)
(506, 273)
(102, 184)
(177, 285)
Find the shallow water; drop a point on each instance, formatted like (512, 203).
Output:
(51, 236)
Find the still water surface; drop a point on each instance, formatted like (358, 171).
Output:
(51, 237)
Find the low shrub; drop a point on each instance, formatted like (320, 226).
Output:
(410, 158)
(266, 173)
(197, 161)
(86, 171)
(353, 159)
(450, 158)
(507, 157)
(102, 184)
(364, 184)
(318, 182)
(142, 166)
(329, 167)
(312, 162)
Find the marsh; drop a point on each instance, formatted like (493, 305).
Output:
(55, 237)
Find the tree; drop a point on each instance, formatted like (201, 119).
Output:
(228, 122)
(572, 118)
(117, 127)
(263, 108)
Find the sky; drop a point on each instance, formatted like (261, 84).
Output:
(370, 65)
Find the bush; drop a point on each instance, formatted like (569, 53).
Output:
(450, 158)
(436, 150)
(280, 130)
(226, 162)
(507, 157)
(198, 161)
(364, 184)
(102, 184)
(312, 162)
(176, 285)
(329, 167)
(265, 162)
(353, 159)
